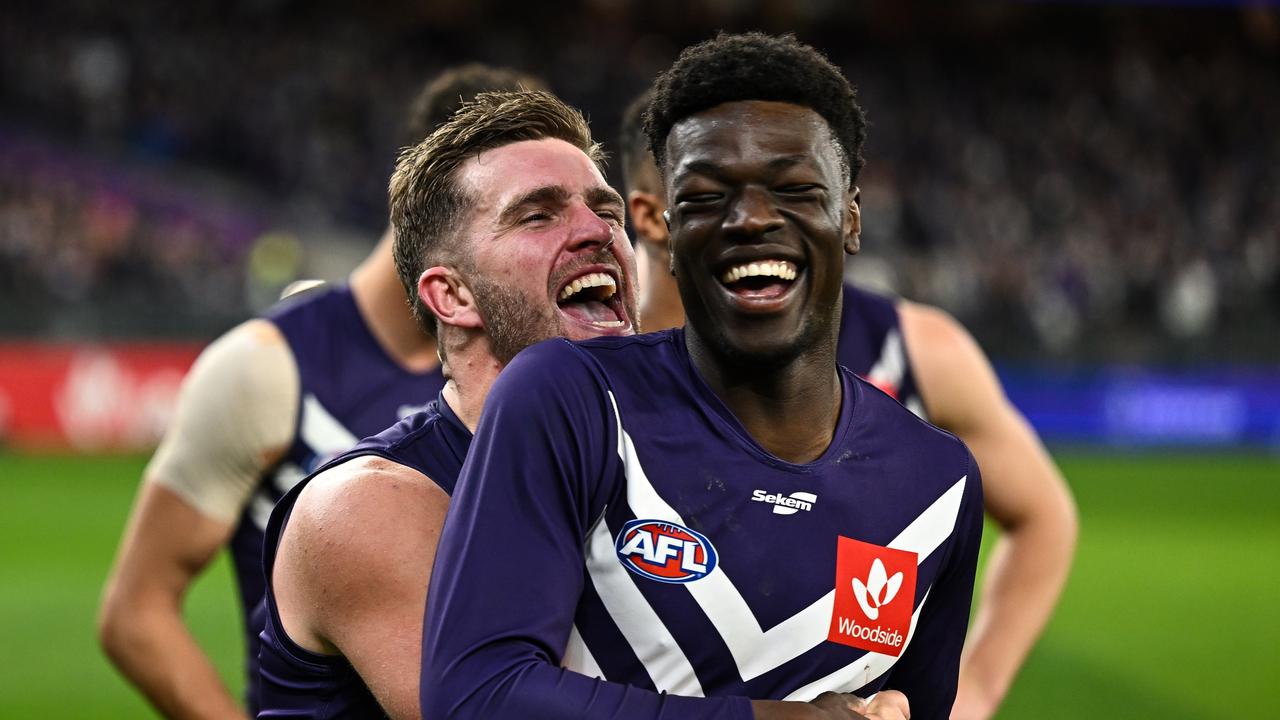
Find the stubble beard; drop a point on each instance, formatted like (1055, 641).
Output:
(512, 321)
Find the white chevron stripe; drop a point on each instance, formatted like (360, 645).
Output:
(263, 502)
(891, 366)
(288, 475)
(578, 658)
(260, 507)
(321, 431)
(755, 650)
(645, 632)
(858, 673)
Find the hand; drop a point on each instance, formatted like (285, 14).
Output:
(885, 705)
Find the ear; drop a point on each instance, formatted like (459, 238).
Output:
(853, 223)
(646, 215)
(446, 295)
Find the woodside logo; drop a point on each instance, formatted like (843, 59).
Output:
(875, 595)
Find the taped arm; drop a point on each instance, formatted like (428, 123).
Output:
(1024, 493)
(234, 417)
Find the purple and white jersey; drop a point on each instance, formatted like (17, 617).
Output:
(349, 388)
(871, 345)
(614, 518)
(295, 682)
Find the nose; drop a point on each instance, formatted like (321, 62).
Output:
(587, 230)
(752, 214)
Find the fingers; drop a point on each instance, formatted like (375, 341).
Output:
(855, 703)
(888, 705)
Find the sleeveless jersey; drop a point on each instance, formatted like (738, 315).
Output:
(612, 499)
(349, 388)
(298, 683)
(871, 346)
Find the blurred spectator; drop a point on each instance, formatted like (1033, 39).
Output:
(1086, 182)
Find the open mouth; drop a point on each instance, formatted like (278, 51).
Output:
(760, 281)
(592, 299)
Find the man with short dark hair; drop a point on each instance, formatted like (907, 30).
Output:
(710, 520)
(506, 234)
(264, 405)
(926, 360)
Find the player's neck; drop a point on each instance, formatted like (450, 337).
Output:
(791, 410)
(660, 306)
(471, 369)
(380, 297)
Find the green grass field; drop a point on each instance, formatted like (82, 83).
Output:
(1170, 612)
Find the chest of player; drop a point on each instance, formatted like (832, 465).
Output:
(682, 508)
(760, 573)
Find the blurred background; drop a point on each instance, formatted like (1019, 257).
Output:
(1092, 188)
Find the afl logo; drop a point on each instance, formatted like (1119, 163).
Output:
(664, 551)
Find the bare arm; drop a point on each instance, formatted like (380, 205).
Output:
(1024, 493)
(234, 418)
(351, 572)
(166, 546)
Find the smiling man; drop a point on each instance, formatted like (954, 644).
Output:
(929, 362)
(506, 234)
(719, 512)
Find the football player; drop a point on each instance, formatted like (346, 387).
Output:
(716, 521)
(924, 358)
(506, 234)
(263, 406)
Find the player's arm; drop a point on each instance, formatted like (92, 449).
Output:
(509, 570)
(234, 418)
(350, 575)
(1025, 495)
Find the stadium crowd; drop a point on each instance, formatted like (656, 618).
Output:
(1109, 194)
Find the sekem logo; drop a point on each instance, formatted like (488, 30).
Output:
(665, 551)
(786, 504)
(875, 596)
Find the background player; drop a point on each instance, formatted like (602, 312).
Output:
(925, 359)
(529, 218)
(263, 406)
(623, 491)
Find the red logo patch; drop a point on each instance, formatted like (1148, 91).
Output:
(875, 595)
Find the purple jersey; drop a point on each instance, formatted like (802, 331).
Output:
(349, 388)
(298, 683)
(871, 345)
(615, 518)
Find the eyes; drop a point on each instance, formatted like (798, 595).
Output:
(790, 193)
(542, 216)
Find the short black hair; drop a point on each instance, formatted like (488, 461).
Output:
(755, 66)
(634, 142)
(440, 98)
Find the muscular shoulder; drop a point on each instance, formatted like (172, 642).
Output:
(957, 383)
(340, 506)
(932, 331)
(359, 541)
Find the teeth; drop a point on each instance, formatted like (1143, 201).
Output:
(589, 281)
(609, 323)
(769, 268)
